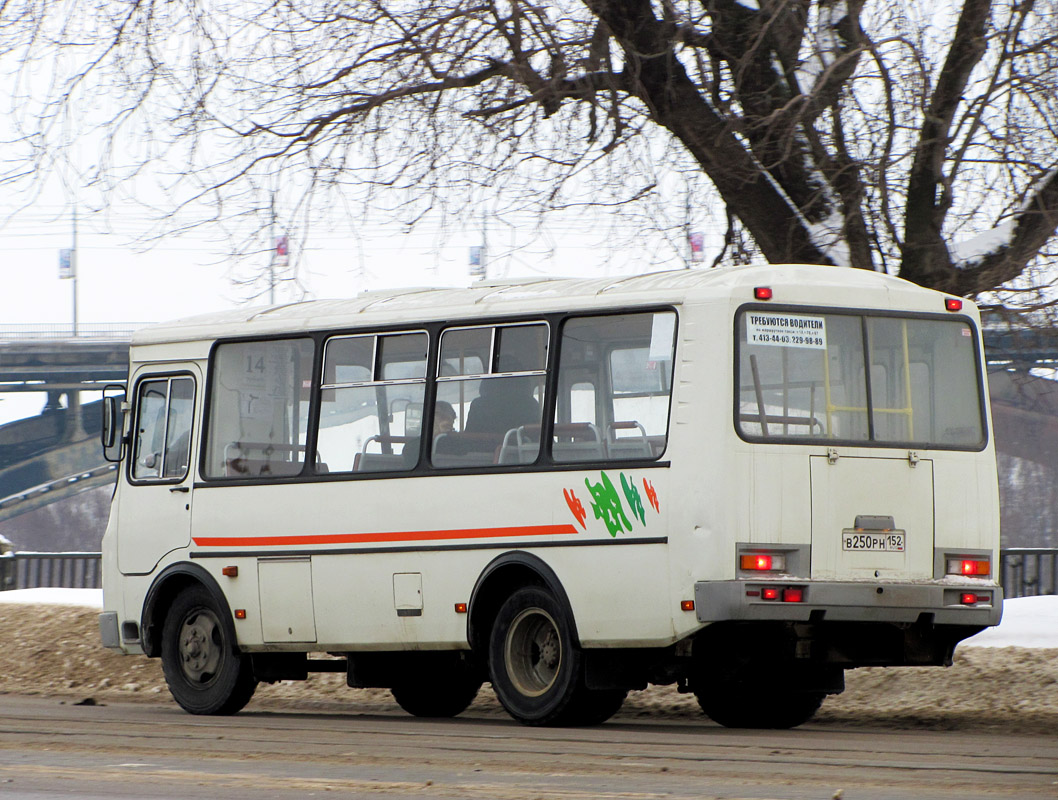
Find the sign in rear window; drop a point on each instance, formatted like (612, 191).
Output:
(786, 330)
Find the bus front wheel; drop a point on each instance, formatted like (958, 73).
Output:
(537, 672)
(204, 673)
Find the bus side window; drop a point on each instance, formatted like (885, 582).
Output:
(493, 378)
(164, 413)
(259, 408)
(371, 404)
(624, 413)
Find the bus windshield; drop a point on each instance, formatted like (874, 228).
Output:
(857, 378)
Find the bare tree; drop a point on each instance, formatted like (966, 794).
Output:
(877, 134)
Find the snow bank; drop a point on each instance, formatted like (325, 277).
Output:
(1027, 622)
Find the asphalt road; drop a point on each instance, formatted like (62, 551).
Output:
(51, 749)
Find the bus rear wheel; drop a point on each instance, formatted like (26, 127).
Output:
(204, 673)
(537, 672)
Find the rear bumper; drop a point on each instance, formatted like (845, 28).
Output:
(719, 601)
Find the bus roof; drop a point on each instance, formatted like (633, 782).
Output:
(799, 283)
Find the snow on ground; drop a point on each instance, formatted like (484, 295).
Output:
(1027, 621)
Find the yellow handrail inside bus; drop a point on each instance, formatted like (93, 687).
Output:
(907, 411)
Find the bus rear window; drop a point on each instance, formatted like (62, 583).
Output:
(859, 379)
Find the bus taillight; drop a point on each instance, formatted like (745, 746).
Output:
(787, 594)
(762, 562)
(969, 567)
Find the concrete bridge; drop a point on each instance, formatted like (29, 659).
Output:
(56, 454)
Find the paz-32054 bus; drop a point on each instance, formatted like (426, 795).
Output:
(742, 481)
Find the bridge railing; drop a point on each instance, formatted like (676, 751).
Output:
(84, 330)
(1028, 571)
(1023, 571)
(61, 570)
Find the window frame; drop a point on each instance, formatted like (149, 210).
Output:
(863, 314)
(496, 327)
(434, 329)
(312, 420)
(376, 381)
(168, 377)
(603, 398)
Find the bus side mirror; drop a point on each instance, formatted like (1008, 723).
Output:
(112, 432)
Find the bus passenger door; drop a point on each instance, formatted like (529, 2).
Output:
(155, 500)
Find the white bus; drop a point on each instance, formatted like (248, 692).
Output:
(743, 481)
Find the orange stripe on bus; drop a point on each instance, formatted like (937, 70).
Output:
(392, 536)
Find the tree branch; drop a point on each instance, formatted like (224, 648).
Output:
(925, 257)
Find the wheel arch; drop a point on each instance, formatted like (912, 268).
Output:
(500, 578)
(169, 583)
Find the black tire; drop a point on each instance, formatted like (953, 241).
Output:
(763, 705)
(536, 670)
(446, 692)
(204, 673)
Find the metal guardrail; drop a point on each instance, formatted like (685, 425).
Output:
(1028, 571)
(85, 330)
(1023, 571)
(62, 570)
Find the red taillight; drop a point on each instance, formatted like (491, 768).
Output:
(971, 599)
(762, 292)
(761, 562)
(769, 593)
(969, 567)
(793, 594)
(953, 303)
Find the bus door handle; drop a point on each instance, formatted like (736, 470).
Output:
(180, 489)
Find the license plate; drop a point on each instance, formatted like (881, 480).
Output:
(889, 542)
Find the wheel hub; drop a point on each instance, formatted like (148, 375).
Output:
(200, 646)
(533, 652)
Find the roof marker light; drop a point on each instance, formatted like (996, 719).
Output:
(687, 605)
(953, 303)
(762, 292)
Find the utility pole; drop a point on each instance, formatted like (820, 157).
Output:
(272, 252)
(73, 264)
(484, 244)
(68, 267)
